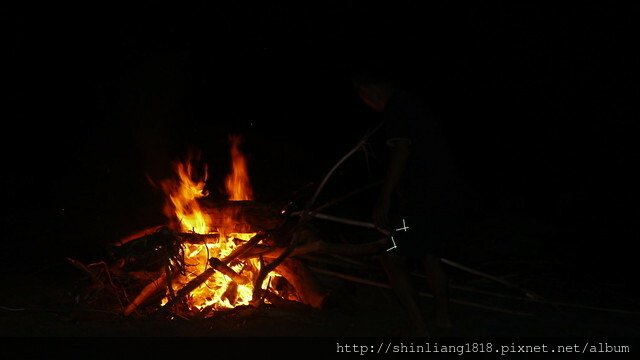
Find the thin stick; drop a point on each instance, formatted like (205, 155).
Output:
(555, 303)
(346, 221)
(85, 269)
(257, 289)
(331, 261)
(528, 293)
(167, 270)
(113, 286)
(348, 195)
(6, 308)
(343, 159)
(348, 260)
(423, 294)
(539, 299)
(138, 235)
(494, 294)
(265, 270)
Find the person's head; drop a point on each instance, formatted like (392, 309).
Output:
(374, 86)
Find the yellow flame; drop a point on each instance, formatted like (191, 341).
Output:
(182, 194)
(219, 291)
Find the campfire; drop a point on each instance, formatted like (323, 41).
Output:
(219, 255)
(219, 238)
(216, 254)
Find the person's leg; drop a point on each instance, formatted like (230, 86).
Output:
(437, 280)
(397, 269)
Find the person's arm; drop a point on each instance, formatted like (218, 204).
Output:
(400, 149)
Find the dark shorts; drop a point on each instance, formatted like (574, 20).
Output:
(430, 224)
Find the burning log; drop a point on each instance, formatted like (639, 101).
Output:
(231, 293)
(309, 290)
(150, 290)
(192, 285)
(244, 248)
(219, 265)
(223, 268)
(242, 216)
(138, 235)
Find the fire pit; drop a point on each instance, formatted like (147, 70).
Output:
(215, 254)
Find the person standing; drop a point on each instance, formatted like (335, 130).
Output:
(420, 193)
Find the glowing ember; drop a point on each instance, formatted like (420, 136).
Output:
(186, 215)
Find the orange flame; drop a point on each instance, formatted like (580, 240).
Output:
(182, 197)
(237, 182)
(186, 215)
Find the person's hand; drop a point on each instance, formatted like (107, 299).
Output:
(381, 212)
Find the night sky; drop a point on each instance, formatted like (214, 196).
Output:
(539, 104)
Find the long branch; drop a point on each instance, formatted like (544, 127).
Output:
(257, 289)
(333, 169)
(424, 294)
(346, 221)
(348, 195)
(528, 293)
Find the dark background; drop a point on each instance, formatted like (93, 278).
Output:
(539, 104)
